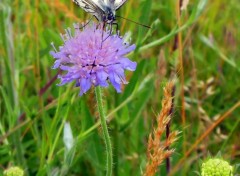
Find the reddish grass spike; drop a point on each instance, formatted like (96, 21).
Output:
(157, 152)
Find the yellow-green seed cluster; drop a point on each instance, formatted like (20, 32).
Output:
(216, 167)
(13, 171)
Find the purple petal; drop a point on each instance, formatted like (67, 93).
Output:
(102, 78)
(127, 64)
(127, 50)
(85, 85)
(116, 81)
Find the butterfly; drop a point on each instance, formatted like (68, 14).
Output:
(103, 10)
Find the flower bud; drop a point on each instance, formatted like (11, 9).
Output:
(13, 171)
(216, 167)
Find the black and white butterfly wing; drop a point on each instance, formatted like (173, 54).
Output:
(103, 10)
(94, 7)
(117, 3)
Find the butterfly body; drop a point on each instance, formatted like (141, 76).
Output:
(109, 16)
(103, 10)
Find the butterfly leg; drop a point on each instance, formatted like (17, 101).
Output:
(110, 32)
(117, 28)
(103, 26)
(84, 25)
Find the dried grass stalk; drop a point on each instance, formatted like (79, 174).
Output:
(158, 151)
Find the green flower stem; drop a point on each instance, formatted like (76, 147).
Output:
(105, 131)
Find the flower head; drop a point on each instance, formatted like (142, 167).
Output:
(13, 171)
(216, 167)
(93, 57)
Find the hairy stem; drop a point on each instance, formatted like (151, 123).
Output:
(105, 131)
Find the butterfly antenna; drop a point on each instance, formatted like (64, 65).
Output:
(134, 22)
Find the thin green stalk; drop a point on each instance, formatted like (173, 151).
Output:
(109, 117)
(105, 131)
(235, 127)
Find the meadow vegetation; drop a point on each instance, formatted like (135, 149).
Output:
(194, 47)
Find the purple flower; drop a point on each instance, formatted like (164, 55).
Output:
(93, 57)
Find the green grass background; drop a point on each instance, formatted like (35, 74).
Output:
(31, 124)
